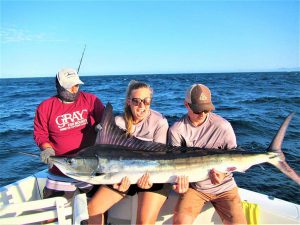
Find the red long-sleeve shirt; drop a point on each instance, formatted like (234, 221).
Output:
(67, 126)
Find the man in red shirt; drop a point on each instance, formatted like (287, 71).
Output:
(65, 123)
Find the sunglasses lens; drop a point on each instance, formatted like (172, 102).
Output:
(147, 101)
(138, 101)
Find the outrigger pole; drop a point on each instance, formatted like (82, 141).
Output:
(81, 59)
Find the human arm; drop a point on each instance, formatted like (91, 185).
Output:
(174, 137)
(181, 184)
(98, 109)
(229, 142)
(229, 137)
(160, 134)
(41, 136)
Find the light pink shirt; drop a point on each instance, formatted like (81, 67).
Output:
(215, 132)
(152, 128)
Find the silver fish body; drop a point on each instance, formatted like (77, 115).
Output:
(117, 155)
(108, 168)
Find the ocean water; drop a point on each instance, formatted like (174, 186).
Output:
(254, 103)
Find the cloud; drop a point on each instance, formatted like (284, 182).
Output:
(13, 35)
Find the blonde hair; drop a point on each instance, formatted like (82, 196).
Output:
(128, 117)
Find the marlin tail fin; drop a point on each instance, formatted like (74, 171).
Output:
(275, 147)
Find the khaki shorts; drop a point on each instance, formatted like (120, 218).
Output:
(227, 204)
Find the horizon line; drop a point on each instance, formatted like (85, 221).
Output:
(151, 74)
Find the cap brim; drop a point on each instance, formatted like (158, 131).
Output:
(71, 84)
(201, 107)
(80, 82)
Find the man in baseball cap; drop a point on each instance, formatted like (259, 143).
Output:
(198, 97)
(65, 123)
(67, 85)
(202, 128)
(68, 77)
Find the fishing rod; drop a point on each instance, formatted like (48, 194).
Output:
(38, 155)
(26, 153)
(81, 59)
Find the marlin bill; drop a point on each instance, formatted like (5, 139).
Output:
(117, 155)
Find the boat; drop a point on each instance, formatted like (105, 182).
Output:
(22, 203)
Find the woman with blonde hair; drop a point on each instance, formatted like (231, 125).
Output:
(146, 124)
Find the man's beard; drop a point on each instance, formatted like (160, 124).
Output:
(65, 95)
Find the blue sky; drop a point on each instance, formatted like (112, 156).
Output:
(144, 37)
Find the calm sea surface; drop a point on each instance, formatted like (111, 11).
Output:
(255, 104)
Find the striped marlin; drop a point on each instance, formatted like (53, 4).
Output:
(117, 155)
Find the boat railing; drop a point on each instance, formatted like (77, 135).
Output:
(22, 203)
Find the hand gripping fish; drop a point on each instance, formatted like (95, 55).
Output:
(117, 155)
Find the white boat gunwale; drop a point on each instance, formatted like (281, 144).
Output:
(18, 196)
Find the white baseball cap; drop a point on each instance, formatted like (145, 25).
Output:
(68, 77)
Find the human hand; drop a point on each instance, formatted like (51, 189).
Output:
(45, 156)
(182, 184)
(98, 127)
(216, 177)
(123, 185)
(144, 182)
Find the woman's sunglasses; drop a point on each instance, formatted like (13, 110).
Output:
(138, 101)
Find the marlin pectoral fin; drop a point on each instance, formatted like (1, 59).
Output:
(93, 173)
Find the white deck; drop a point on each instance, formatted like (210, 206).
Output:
(21, 202)
(272, 211)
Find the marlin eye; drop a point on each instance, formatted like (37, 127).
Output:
(70, 161)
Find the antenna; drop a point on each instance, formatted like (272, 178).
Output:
(81, 59)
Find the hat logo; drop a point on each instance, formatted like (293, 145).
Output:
(202, 97)
(70, 74)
